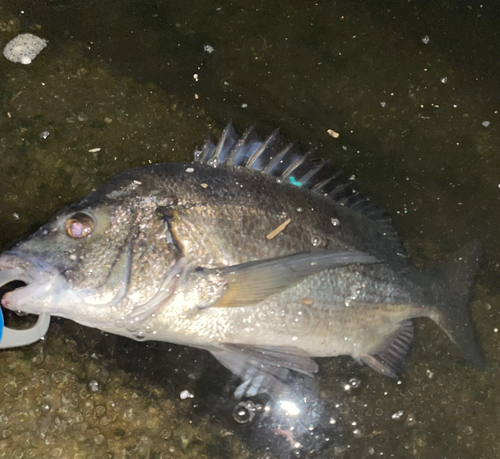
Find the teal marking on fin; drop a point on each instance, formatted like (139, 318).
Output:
(293, 181)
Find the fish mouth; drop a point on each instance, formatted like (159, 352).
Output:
(25, 277)
(35, 286)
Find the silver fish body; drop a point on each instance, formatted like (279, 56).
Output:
(251, 252)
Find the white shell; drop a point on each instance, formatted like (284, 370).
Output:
(24, 48)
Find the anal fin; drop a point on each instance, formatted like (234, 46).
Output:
(389, 361)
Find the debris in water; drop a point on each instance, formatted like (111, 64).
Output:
(24, 48)
(332, 133)
(186, 394)
(279, 229)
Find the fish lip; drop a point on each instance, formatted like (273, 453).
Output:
(37, 273)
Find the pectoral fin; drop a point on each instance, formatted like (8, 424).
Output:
(263, 368)
(250, 283)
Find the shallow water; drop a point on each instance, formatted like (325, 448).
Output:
(413, 94)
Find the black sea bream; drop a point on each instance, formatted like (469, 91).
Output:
(252, 252)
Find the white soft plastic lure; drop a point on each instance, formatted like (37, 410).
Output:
(15, 338)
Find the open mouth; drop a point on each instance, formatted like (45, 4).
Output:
(23, 279)
(16, 319)
(13, 278)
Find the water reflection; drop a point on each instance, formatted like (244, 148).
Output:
(293, 424)
(423, 140)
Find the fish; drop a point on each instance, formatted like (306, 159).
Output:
(254, 252)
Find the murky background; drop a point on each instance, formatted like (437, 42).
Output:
(412, 90)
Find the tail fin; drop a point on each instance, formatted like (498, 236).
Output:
(452, 287)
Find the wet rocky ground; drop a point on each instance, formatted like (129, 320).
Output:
(122, 84)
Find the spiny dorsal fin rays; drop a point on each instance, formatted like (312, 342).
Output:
(244, 148)
(227, 141)
(297, 163)
(304, 180)
(207, 150)
(289, 165)
(339, 192)
(267, 150)
(321, 185)
(279, 159)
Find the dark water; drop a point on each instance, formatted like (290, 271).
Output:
(413, 91)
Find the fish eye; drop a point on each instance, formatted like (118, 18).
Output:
(79, 225)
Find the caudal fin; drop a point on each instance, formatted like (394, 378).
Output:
(452, 288)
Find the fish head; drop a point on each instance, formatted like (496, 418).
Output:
(105, 262)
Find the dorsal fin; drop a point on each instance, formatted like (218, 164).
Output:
(269, 148)
(289, 165)
(227, 141)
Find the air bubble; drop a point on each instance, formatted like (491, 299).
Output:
(212, 162)
(355, 292)
(244, 412)
(397, 415)
(353, 383)
(316, 241)
(358, 432)
(410, 420)
(140, 335)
